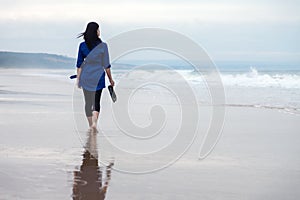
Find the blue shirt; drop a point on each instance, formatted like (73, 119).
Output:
(92, 62)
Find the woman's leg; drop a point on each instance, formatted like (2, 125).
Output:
(96, 110)
(89, 100)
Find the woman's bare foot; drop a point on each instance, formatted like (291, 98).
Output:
(94, 121)
(94, 128)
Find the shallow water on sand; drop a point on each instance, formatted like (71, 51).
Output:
(42, 156)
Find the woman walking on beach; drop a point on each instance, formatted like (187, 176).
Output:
(92, 65)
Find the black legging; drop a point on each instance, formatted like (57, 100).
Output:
(92, 101)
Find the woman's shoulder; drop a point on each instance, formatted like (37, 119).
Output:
(83, 46)
(104, 44)
(82, 43)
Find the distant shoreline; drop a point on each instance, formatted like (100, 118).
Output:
(35, 60)
(10, 59)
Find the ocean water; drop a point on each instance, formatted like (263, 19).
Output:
(262, 87)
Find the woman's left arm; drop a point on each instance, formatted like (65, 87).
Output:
(78, 77)
(80, 59)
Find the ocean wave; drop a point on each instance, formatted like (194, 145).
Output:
(253, 78)
(285, 109)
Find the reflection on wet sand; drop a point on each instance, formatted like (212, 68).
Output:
(88, 182)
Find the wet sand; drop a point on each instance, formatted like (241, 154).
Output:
(41, 156)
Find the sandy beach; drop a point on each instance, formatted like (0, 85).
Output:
(42, 156)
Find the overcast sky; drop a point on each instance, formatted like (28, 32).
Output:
(228, 30)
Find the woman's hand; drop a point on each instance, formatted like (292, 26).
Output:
(112, 83)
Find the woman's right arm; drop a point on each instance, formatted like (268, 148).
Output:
(107, 70)
(106, 65)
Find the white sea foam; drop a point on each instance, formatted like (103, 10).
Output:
(253, 78)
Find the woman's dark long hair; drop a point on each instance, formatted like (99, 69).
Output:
(90, 35)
